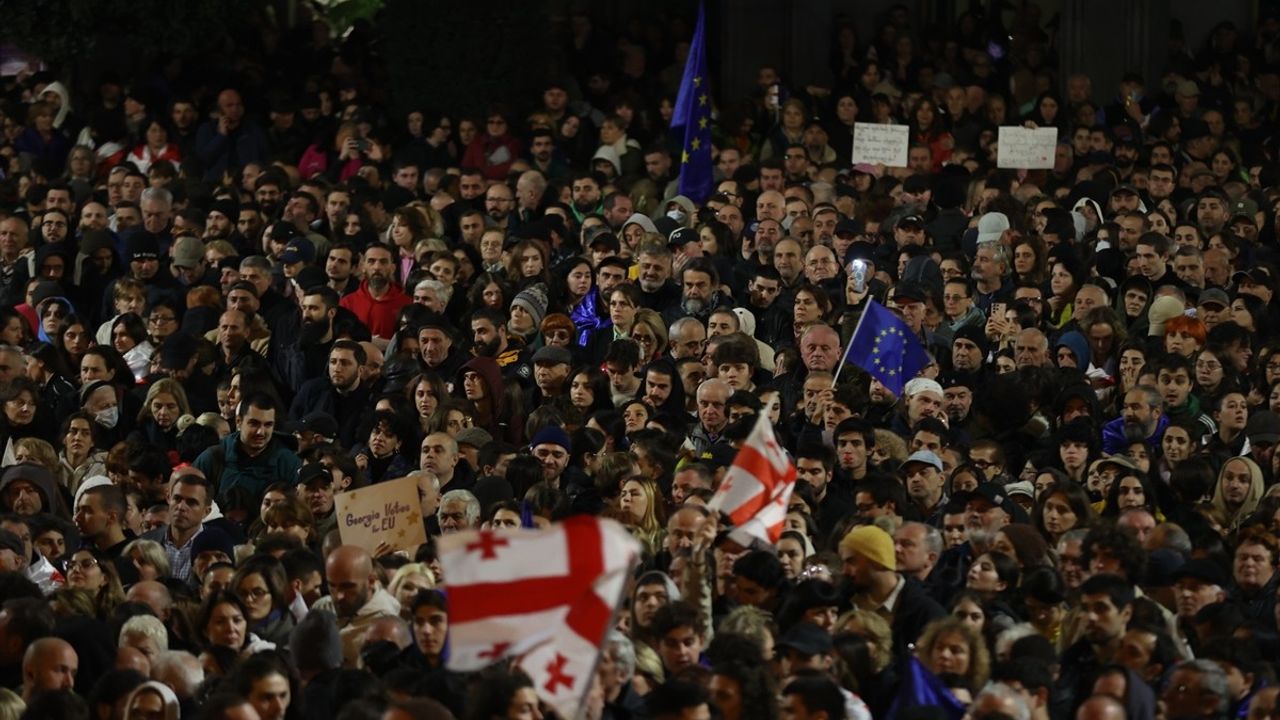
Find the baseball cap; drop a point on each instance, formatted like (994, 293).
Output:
(994, 494)
(849, 226)
(913, 220)
(924, 456)
(991, 226)
(298, 250)
(314, 472)
(282, 231)
(187, 252)
(1206, 571)
(1258, 275)
(682, 236)
(1215, 296)
(322, 424)
(607, 239)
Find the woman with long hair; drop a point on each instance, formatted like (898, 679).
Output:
(491, 290)
(407, 229)
(930, 128)
(129, 338)
(81, 455)
(90, 570)
(589, 390)
(1065, 278)
(527, 264)
(1062, 507)
(641, 510)
(158, 422)
(75, 339)
(426, 391)
(1029, 259)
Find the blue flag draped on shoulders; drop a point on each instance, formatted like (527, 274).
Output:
(922, 687)
(886, 348)
(693, 115)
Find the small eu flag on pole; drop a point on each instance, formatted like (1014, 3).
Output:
(691, 120)
(886, 348)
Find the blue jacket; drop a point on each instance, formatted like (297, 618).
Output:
(227, 466)
(1114, 441)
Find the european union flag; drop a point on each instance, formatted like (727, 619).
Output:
(693, 114)
(885, 347)
(921, 687)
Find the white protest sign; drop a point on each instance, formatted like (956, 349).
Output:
(1023, 148)
(387, 512)
(880, 144)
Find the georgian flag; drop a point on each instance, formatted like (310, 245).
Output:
(544, 596)
(755, 491)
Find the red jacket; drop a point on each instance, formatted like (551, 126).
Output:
(379, 315)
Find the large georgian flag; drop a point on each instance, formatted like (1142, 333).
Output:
(544, 596)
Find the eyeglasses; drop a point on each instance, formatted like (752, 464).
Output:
(157, 319)
(255, 594)
(1210, 366)
(85, 564)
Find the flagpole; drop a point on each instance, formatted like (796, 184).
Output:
(845, 355)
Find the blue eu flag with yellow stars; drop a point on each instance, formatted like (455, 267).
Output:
(885, 347)
(693, 115)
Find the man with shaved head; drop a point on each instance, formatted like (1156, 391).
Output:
(49, 664)
(355, 598)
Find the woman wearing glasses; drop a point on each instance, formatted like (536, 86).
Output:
(260, 582)
(93, 572)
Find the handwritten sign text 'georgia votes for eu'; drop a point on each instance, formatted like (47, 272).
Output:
(388, 513)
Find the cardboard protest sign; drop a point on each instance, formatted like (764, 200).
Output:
(388, 513)
(1023, 148)
(880, 144)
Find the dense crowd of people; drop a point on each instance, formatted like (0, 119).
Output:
(225, 300)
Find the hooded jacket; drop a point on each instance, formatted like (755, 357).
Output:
(43, 482)
(498, 425)
(1232, 520)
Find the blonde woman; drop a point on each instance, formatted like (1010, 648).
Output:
(408, 581)
(650, 333)
(149, 558)
(640, 509)
(158, 420)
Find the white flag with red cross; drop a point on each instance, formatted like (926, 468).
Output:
(544, 596)
(757, 487)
